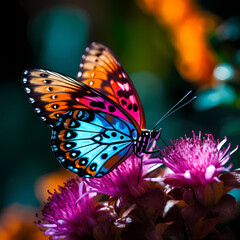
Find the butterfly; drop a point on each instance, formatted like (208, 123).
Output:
(97, 120)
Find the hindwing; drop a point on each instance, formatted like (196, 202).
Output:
(91, 143)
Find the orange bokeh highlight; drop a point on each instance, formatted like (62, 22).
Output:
(17, 223)
(188, 28)
(50, 182)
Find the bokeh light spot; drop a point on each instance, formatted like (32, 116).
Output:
(223, 72)
(207, 99)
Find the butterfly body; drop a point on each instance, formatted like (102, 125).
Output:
(97, 120)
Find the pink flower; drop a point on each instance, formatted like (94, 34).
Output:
(122, 181)
(66, 217)
(195, 161)
(125, 181)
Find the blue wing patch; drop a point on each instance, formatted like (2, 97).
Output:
(91, 143)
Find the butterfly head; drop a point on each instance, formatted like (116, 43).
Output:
(151, 134)
(155, 134)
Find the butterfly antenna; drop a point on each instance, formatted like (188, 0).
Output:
(163, 141)
(175, 108)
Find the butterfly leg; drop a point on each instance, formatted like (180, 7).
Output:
(140, 169)
(155, 151)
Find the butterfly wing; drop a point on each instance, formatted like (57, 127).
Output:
(91, 143)
(101, 70)
(52, 94)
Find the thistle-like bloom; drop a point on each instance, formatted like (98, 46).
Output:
(66, 217)
(195, 161)
(125, 181)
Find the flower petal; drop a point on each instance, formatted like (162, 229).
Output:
(231, 179)
(210, 172)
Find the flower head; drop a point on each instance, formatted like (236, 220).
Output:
(66, 217)
(125, 180)
(195, 161)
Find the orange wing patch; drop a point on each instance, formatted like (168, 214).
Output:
(51, 94)
(101, 70)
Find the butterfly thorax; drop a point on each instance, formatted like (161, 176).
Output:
(143, 141)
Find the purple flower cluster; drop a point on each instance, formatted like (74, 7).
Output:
(185, 199)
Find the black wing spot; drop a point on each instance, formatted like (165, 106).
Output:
(69, 145)
(113, 134)
(55, 106)
(83, 161)
(105, 135)
(75, 154)
(129, 107)
(70, 134)
(93, 167)
(97, 105)
(135, 107)
(125, 94)
(74, 124)
(111, 108)
(104, 156)
(124, 103)
(49, 89)
(47, 81)
(44, 75)
(123, 80)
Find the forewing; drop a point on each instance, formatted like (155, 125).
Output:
(101, 70)
(52, 94)
(91, 143)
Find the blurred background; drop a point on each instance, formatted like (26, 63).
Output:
(168, 47)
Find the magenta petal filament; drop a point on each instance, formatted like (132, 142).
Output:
(196, 160)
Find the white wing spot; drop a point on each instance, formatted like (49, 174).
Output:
(37, 110)
(24, 80)
(91, 83)
(79, 74)
(31, 100)
(27, 90)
